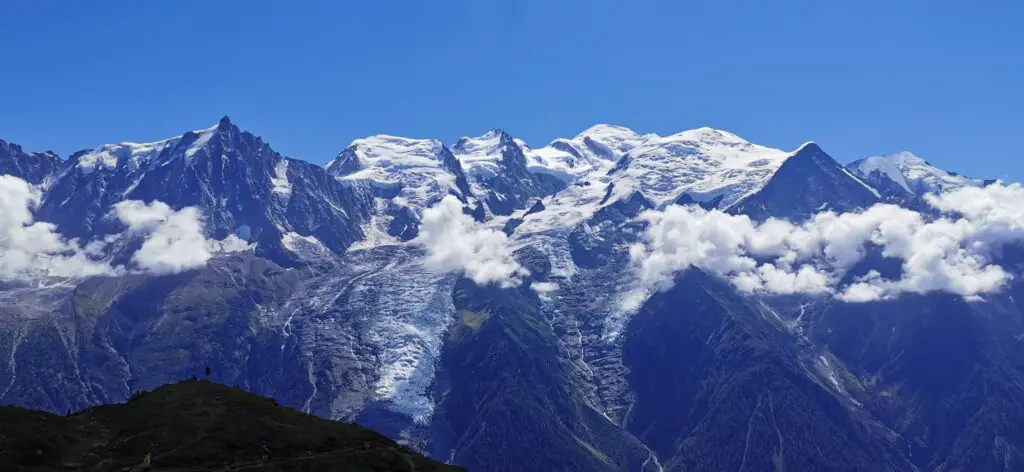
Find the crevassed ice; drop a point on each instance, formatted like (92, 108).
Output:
(408, 309)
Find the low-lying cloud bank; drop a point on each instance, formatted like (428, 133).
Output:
(951, 253)
(172, 240)
(455, 242)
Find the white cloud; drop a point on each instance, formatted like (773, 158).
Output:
(544, 287)
(232, 243)
(457, 243)
(174, 240)
(951, 253)
(867, 289)
(30, 249)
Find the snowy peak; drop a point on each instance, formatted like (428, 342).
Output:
(807, 182)
(593, 151)
(487, 156)
(608, 132)
(609, 141)
(234, 178)
(709, 136)
(133, 155)
(811, 152)
(417, 172)
(497, 166)
(385, 152)
(911, 173)
(705, 163)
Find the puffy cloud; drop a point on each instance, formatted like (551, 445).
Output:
(865, 290)
(232, 243)
(455, 242)
(684, 236)
(31, 249)
(544, 287)
(544, 290)
(174, 240)
(952, 252)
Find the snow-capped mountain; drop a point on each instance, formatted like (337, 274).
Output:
(498, 172)
(406, 175)
(582, 365)
(240, 183)
(591, 152)
(706, 164)
(416, 172)
(808, 181)
(905, 172)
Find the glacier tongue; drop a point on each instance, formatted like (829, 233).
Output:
(407, 309)
(371, 332)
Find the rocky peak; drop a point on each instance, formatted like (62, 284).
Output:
(807, 182)
(34, 167)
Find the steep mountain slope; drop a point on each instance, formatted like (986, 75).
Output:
(504, 388)
(944, 373)
(195, 426)
(809, 181)
(718, 388)
(73, 347)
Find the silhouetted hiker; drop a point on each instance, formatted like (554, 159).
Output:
(193, 376)
(208, 371)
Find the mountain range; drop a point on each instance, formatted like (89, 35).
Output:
(608, 302)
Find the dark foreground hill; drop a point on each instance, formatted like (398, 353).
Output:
(196, 426)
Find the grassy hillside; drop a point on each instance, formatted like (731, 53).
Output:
(196, 426)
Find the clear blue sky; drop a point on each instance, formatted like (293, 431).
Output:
(943, 79)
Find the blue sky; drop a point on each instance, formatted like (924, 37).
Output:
(942, 79)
